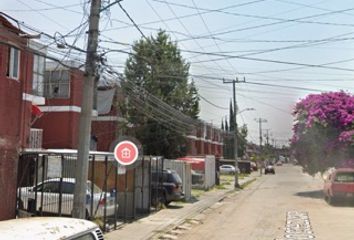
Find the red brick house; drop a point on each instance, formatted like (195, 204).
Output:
(205, 140)
(20, 73)
(60, 122)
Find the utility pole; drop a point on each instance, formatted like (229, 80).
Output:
(79, 208)
(260, 121)
(267, 136)
(236, 185)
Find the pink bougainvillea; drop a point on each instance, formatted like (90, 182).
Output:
(328, 110)
(324, 130)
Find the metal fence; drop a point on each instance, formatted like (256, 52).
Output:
(114, 194)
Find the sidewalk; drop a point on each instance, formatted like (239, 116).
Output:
(174, 215)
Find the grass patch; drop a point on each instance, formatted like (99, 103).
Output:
(220, 187)
(248, 183)
(197, 192)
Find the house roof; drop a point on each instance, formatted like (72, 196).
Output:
(5, 21)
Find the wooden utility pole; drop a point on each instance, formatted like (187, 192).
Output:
(79, 208)
(236, 183)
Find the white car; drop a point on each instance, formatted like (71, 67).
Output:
(49, 228)
(227, 169)
(47, 196)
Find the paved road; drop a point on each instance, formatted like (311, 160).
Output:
(288, 205)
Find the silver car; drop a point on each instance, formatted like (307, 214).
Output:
(45, 197)
(228, 169)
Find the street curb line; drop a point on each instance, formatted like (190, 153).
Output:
(195, 213)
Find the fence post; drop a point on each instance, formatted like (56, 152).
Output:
(116, 198)
(92, 182)
(150, 187)
(43, 172)
(105, 193)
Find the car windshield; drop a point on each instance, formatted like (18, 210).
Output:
(345, 177)
(176, 177)
(95, 188)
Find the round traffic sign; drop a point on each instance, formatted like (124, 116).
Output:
(126, 153)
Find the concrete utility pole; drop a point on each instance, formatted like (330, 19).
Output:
(79, 208)
(236, 185)
(267, 136)
(260, 121)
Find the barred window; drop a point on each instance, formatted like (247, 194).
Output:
(38, 75)
(57, 84)
(13, 67)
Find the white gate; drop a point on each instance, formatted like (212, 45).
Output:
(184, 171)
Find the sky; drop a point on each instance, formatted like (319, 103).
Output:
(284, 49)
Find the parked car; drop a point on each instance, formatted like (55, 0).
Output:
(197, 178)
(227, 169)
(269, 169)
(339, 185)
(245, 166)
(45, 197)
(279, 163)
(50, 228)
(166, 187)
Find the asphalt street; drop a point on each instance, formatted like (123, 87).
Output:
(287, 205)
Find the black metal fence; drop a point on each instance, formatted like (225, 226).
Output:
(114, 194)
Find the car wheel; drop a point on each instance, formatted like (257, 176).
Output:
(20, 204)
(330, 200)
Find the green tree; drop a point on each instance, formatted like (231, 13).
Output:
(158, 67)
(241, 140)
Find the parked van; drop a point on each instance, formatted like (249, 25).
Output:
(166, 187)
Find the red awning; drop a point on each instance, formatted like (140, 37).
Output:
(36, 111)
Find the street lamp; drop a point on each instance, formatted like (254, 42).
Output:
(237, 185)
(246, 109)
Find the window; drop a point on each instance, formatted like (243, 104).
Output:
(52, 187)
(38, 75)
(13, 63)
(87, 236)
(57, 84)
(345, 177)
(67, 188)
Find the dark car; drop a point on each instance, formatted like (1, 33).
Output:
(166, 186)
(269, 169)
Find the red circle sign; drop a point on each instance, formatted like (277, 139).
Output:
(126, 153)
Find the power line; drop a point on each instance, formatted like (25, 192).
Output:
(207, 101)
(223, 56)
(131, 19)
(279, 20)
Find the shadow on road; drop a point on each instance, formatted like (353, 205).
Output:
(318, 194)
(174, 206)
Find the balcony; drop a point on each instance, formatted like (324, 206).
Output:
(35, 139)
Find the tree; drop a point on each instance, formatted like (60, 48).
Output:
(229, 147)
(241, 140)
(324, 131)
(158, 67)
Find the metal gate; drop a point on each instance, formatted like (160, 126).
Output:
(114, 194)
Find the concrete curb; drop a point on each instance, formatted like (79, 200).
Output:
(198, 211)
